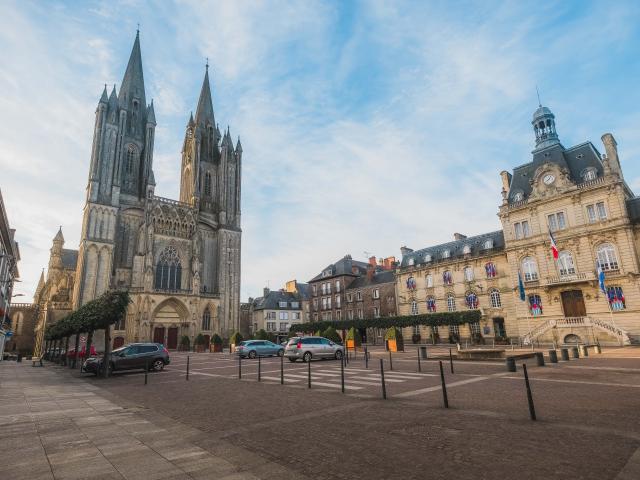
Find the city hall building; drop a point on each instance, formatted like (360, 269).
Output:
(570, 203)
(179, 259)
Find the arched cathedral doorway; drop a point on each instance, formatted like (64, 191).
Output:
(169, 322)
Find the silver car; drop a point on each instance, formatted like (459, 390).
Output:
(307, 348)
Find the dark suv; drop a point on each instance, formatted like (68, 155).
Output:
(135, 355)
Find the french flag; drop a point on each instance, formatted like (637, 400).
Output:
(554, 246)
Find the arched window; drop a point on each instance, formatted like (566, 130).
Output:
(606, 256)
(130, 160)
(472, 300)
(496, 301)
(468, 274)
(529, 269)
(535, 305)
(451, 302)
(428, 280)
(447, 279)
(565, 263)
(207, 184)
(490, 269)
(411, 283)
(431, 304)
(589, 174)
(168, 270)
(414, 308)
(488, 244)
(206, 319)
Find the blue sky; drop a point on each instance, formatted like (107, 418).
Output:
(365, 125)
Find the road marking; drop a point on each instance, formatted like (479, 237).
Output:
(449, 385)
(622, 369)
(581, 382)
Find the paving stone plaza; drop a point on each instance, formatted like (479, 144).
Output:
(60, 424)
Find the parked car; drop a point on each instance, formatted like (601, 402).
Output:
(153, 356)
(306, 348)
(258, 348)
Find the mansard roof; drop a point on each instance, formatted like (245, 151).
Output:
(575, 159)
(344, 266)
(69, 258)
(477, 247)
(633, 209)
(272, 301)
(379, 277)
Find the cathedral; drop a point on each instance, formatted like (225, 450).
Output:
(179, 259)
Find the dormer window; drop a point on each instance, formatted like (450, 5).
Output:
(466, 249)
(411, 262)
(518, 197)
(427, 258)
(589, 174)
(488, 244)
(446, 253)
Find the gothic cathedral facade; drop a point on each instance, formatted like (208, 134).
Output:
(180, 260)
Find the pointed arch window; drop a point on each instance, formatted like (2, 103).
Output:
(207, 184)
(606, 256)
(131, 159)
(565, 263)
(168, 270)
(206, 319)
(451, 302)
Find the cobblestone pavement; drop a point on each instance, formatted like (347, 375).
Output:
(587, 427)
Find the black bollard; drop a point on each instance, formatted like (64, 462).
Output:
(540, 359)
(390, 361)
(239, 367)
(511, 364)
(282, 370)
(259, 368)
(419, 366)
(146, 370)
(450, 360)
(384, 387)
(444, 386)
(564, 354)
(309, 374)
(553, 356)
(187, 367)
(342, 376)
(366, 358)
(532, 410)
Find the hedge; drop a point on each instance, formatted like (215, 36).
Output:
(332, 335)
(429, 319)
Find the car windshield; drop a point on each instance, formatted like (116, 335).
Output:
(118, 350)
(293, 340)
(244, 343)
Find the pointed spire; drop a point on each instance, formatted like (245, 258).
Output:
(133, 82)
(238, 145)
(113, 98)
(191, 122)
(104, 98)
(204, 112)
(59, 237)
(151, 115)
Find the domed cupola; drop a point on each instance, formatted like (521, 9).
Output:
(544, 126)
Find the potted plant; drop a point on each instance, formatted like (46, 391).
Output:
(416, 337)
(185, 343)
(235, 339)
(200, 343)
(393, 339)
(354, 339)
(216, 343)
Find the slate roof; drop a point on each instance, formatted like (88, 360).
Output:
(476, 243)
(633, 209)
(69, 258)
(385, 276)
(344, 266)
(272, 299)
(304, 289)
(575, 159)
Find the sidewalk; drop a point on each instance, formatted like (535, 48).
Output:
(54, 426)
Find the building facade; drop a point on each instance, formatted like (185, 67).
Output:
(179, 259)
(9, 258)
(275, 311)
(567, 215)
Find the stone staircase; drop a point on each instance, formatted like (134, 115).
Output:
(577, 322)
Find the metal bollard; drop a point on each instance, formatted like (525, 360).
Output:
(259, 367)
(419, 366)
(511, 364)
(390, 361)
(282, 370)
(187, 367)
(564, 354)
(309, 374)
(444, 386)
(532, 410)
(540, 359)
(146, 370)
(239, 367)
(342, 376)
(384, 388)
(366, 358)
(553, 356)
(450, 361)
(574, 352)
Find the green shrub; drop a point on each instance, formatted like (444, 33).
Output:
(393, 333)
(184, 341)
(261, 335)
(216, 339)
(332, 335)
(236, 338)
(200, 340)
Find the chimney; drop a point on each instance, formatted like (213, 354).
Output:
(372, 261)
(265, 291)
(611, 147)
(389, 263)
(371, 271)
(459, 236)
(291, 286)
(405, 250)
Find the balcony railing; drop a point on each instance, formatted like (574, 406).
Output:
(570, 278)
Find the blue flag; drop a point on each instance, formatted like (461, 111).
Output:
(601, 278)
(523, 297)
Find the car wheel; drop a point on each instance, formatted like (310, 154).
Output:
(292, 360)
(281, 353)
(252, 354)
(307, 357)
(158, 365)
(338, 354)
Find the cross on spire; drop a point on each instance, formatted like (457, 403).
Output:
(538, 93)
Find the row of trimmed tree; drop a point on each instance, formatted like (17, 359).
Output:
(98, 314)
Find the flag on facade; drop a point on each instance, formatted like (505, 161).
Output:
(554, 246)
(601, 278)
(523, 297)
